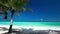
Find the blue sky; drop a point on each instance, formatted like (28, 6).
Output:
(43, 10)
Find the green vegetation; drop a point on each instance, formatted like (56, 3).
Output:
(15, 6)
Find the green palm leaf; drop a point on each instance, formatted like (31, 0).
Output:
(16, 5)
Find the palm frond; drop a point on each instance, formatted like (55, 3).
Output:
(5, 12)
(17, 5)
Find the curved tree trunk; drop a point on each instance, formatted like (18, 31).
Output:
(11, 22)
(10, 28)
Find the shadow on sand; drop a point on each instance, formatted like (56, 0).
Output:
(30, 31)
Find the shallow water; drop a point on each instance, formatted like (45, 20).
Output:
(32, 23)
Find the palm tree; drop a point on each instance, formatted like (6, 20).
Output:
(15, 5)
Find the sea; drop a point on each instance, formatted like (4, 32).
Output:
(32, 23)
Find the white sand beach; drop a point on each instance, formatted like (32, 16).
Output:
(33, 27)
(28, 27)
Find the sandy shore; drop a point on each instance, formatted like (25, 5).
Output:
(27, 27)
(33, 27)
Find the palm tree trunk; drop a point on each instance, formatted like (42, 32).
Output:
(10, 28)
(11, 22)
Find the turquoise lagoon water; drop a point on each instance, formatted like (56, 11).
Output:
(32, 23)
